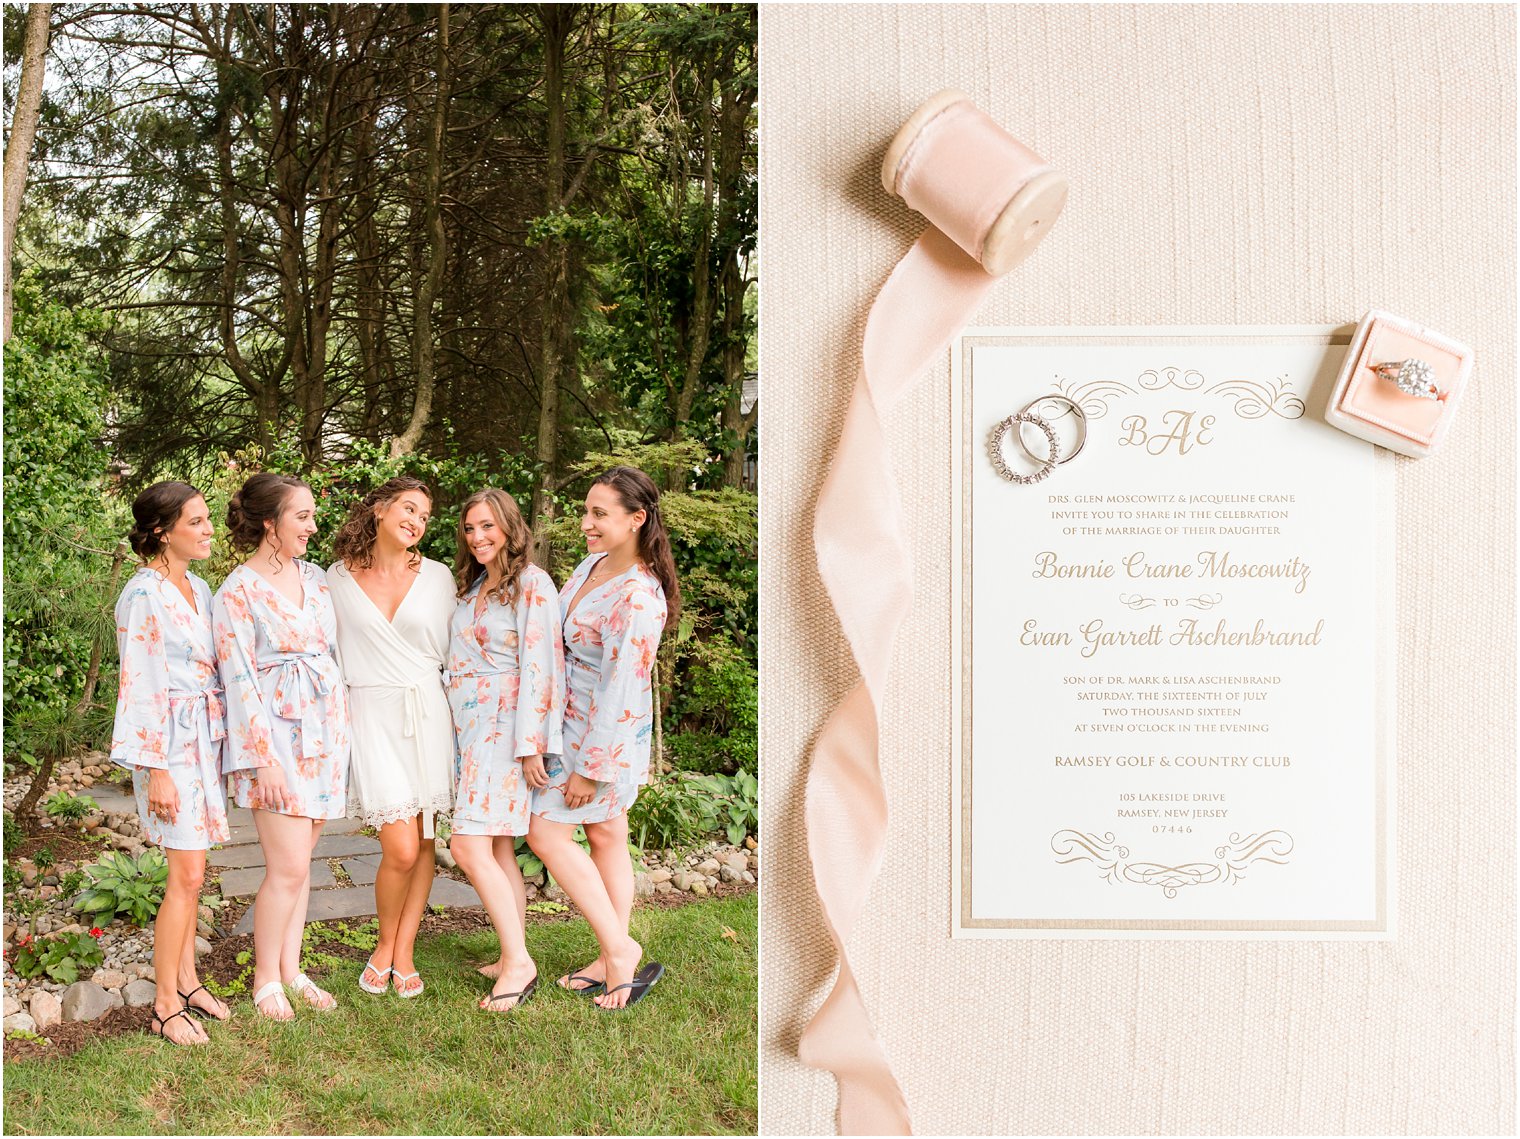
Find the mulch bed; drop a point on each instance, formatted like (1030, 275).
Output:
(221, 964)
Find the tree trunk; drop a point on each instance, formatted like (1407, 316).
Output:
(557, 20)
(423, 348)
(23, 131)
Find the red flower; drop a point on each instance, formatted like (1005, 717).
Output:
(27, 940)
(96, 931)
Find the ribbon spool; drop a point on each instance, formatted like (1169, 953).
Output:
(954, 165)
(991, 200)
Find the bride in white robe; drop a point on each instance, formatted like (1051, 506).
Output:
(393, 610)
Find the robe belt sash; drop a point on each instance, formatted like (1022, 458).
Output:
(209, 725)
(303, 682)
(411, 728)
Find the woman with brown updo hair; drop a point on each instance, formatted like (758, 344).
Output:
(393, 608)
(615, 607)
(287, 718)
(506, 684)
(169, 731)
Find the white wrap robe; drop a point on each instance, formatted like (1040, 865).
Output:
(403, 753)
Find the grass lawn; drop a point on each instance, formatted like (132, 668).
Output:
(682, 1061)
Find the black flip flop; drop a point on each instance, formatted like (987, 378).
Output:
(587, 990)
(157, 1025)
(642, 982)
(204, 1014)
(522, 995)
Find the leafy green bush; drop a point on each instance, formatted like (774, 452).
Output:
(734, 808)
(70, 808)
(121, 884)
(12, 833)
(44, 857)
(669, 813)
(60, 527)
(60, 956)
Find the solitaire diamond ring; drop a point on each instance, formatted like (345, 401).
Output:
(1412, 377)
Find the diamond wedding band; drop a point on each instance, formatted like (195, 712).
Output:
(995, 448)
(1412, 377)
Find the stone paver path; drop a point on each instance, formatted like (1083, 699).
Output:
(240, 864)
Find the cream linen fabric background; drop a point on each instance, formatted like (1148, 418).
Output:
(1229, 165)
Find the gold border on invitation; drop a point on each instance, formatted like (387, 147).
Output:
(1383, 716)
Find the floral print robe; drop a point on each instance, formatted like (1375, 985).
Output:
(286, 703)
(506, 685)
(611, 639)
(169, 711)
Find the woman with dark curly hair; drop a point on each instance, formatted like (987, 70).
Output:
(615, 607)
(506, 686)
(287, 719)
(169, 731)
(393, 609)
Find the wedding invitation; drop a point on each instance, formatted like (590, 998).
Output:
(1173, 658)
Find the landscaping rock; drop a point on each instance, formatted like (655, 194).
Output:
(555, 894)
(46, 1008)
(750, 842)
(12, 1006)
(20, 1022)
(205, 929)
(140, 993)
(643, 887)
(749, 878)
(664, 888)
(445, 857)
(109, 978)
(699, 888)
(85, 1000)
(28, 872)
(708, 866)
(738, 861)
(202, 947)
(659, 875)
(729, 874)
(684, 878)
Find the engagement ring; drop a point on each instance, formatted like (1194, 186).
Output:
(1412, 377)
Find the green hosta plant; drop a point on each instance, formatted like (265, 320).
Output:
(70, 808)
(121, 884)
(734, 809)
(61, 956)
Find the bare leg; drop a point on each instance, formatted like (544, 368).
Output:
(414, 905)
(609, 850)
(577, 875)
(502, 894)
(290, 952)
(504, 850)
(609, 853)
(188, 978)
(280, 904)
(399, 851)
(174, 926)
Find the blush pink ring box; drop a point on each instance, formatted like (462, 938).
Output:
(1368, 402)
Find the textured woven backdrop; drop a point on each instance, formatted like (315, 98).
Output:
(1229, 165)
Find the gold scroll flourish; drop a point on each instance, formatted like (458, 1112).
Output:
(1255, 398)
(1136, 601)
(1077, 846)
(1205, 601)
(1109, 856)
(1186, 379)
(1093, 396)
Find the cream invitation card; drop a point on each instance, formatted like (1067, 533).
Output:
(1174, 661)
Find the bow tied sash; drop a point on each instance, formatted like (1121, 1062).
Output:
(203, 715)
(303, 682)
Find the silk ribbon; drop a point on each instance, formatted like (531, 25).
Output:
(961, 170)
